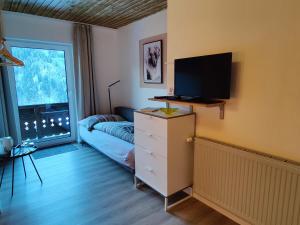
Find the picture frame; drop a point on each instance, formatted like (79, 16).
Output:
(153, 62)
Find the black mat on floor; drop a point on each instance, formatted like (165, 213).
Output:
(47, 152)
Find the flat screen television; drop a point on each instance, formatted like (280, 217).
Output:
(204, 77)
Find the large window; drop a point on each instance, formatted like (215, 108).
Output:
(43, 79)
(43, 88)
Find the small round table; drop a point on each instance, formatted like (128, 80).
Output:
(21, 151)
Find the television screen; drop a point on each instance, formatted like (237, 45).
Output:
(206, 77)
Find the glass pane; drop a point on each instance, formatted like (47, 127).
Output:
(42, 94)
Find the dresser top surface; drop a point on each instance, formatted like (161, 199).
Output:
(162, 115)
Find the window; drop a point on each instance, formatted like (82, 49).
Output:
(43, 92)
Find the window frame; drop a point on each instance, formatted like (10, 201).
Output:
(69, 64)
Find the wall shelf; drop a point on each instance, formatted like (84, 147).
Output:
(220, 104)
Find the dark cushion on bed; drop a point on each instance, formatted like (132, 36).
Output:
(125, 112)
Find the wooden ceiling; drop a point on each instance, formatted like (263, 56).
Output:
(108, 13)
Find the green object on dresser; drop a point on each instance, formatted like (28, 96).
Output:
(168, 111)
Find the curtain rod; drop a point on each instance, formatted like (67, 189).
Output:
(91, 24)
(82, 23)
(74, 22)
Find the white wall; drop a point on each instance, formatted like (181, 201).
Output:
(24, 26)
(106, 64)
(130, 92)
(116, 52)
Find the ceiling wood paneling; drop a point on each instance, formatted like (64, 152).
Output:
(108, 13)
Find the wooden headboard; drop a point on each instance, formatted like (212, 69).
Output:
(125, 112)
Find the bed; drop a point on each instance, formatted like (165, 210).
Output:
(112, 135)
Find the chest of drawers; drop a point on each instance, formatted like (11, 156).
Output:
(163, 157)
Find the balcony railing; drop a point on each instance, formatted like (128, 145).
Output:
(44, 121)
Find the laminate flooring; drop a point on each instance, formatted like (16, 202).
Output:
(84, 187)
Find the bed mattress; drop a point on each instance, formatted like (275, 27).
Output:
(115, 148)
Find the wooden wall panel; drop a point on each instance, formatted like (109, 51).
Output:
(108, 13)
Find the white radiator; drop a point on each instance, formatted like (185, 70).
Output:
(247, 187)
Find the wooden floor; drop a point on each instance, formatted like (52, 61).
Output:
(84, 187)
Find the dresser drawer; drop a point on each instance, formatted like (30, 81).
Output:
(151, 124)
(152, 169)
(150, 142)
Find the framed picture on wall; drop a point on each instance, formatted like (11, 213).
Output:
(153, 62)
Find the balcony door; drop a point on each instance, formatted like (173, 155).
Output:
(43, 93)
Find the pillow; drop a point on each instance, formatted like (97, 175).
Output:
(91, 121)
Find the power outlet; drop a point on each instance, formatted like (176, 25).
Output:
(171, 91)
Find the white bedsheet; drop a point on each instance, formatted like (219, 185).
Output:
(115, 148)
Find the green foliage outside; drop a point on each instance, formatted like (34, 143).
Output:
(43, 78)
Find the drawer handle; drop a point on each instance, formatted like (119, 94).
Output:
(149, 169)
(150, 135)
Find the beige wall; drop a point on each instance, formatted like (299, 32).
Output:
(264, 36)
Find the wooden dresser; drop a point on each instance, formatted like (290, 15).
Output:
(163, 155)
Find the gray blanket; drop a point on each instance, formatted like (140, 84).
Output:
(123, 129)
